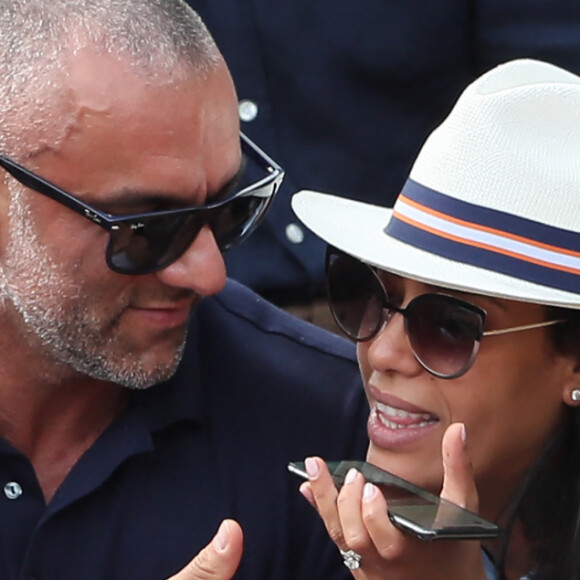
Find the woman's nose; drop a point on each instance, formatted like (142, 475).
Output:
(389, 350)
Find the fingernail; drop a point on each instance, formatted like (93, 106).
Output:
(350, 476)
(222, 538)
(369, 491)
(312, 467)
(463, 433)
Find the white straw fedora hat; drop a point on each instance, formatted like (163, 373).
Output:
(492, 203)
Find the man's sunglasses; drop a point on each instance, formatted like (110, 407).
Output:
(143, 243)
(443, 331)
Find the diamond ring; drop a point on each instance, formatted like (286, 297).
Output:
(351, 559)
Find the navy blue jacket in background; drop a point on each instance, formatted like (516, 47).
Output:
(256, 389)
(346, 92)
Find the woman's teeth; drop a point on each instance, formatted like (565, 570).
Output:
(394, 418)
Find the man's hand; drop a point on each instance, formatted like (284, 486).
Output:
(219, 559)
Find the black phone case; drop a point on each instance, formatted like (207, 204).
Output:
(411, 508)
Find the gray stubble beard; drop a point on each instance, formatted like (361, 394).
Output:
(61, 324)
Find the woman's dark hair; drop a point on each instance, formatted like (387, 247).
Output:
(548, 504)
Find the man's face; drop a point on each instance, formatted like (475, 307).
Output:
(130, 147)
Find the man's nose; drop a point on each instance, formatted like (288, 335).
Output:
(201, 268)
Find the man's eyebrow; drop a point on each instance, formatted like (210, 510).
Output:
(230, 184)
(126, 197)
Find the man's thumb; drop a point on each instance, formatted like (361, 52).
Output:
(219, 559)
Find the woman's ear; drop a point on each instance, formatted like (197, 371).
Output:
(572, 397)
(571, 390)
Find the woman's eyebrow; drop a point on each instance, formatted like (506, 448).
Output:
(470, 297)
(392, 280)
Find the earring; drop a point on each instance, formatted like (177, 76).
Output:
(575, 395)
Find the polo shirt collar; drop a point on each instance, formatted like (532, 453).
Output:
(179, 398)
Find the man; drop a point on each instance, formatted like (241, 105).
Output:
(138, 410)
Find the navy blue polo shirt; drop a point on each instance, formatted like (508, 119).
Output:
(256, 389)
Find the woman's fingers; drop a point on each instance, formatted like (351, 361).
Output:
(376, 519)
(324, 494)
(352, 515)
(458, 482)
(219, 559)
(349, 503)
(306, 491)
(357, 519)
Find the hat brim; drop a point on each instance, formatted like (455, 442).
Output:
(357, 228)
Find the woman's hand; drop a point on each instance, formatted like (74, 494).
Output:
(356, 519)
(219, 559)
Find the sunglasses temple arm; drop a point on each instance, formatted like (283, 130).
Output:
(524, 327)
(40, 185)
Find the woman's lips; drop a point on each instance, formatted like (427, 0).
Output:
(394, 423)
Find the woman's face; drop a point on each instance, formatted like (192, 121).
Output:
(511, 400)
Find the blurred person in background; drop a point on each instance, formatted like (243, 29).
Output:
(343, 94)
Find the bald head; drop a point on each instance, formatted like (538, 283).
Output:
(161, 39)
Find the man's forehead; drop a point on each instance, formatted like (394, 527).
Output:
(99, 79)
(89, 83)
(101, 92)
(125, 132)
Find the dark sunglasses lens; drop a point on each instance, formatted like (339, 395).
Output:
(443, 334)
(155, 242)
(152, 243)
(238, 218)
(355, 296)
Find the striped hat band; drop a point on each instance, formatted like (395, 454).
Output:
(484, 237)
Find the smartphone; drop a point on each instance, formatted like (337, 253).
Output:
(411, 508)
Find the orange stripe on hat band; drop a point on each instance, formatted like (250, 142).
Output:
(405, 200)
(484, 246)
(486, 237)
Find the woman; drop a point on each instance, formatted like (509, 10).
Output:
(465, 303)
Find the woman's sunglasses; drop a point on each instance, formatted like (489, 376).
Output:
(443, 331)
(143, 243)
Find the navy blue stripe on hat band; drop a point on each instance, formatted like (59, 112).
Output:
(486, 238)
